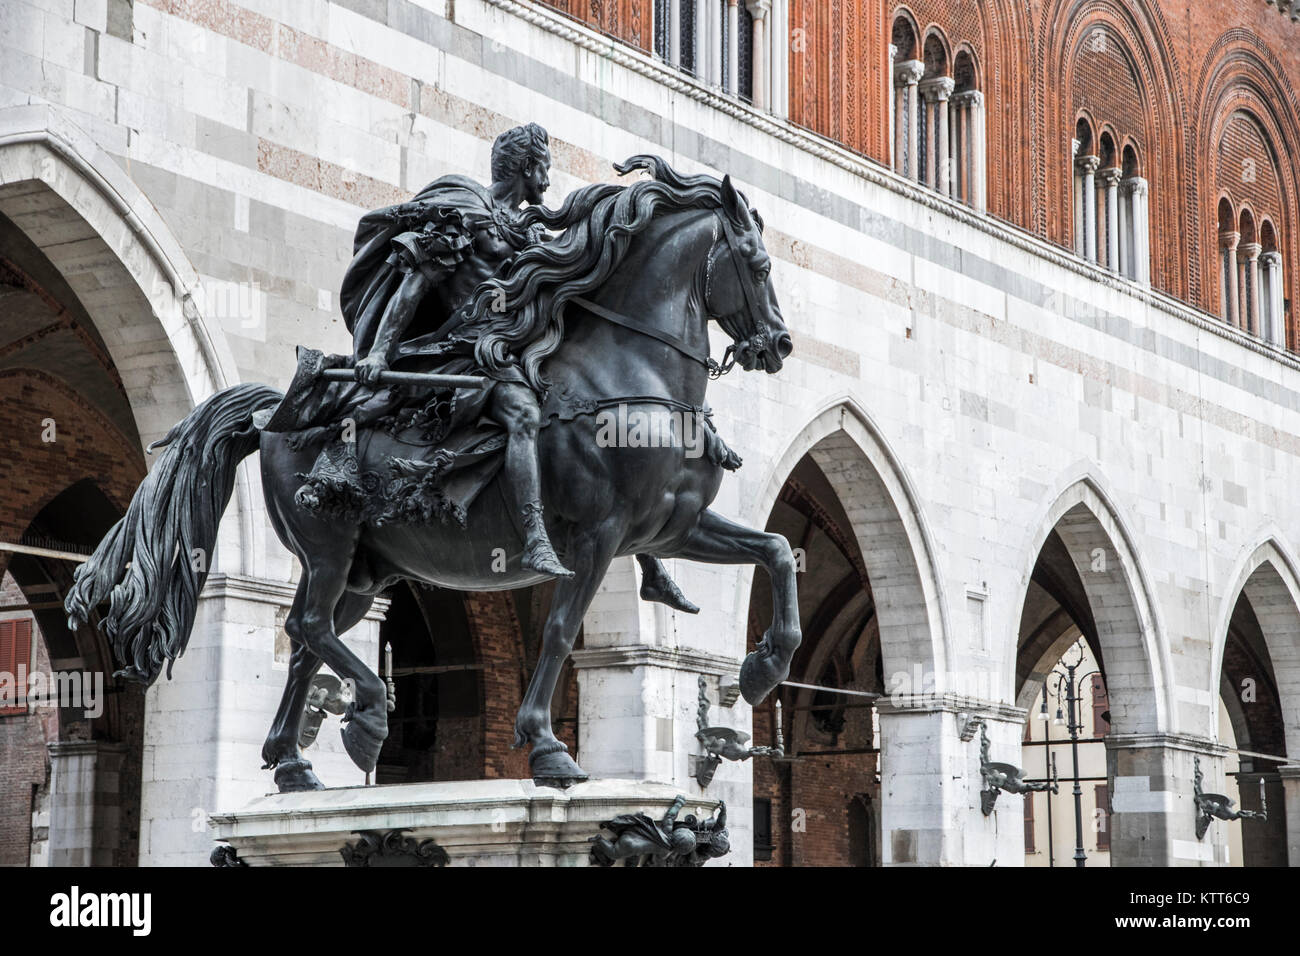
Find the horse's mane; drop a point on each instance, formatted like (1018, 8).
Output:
(596, 225)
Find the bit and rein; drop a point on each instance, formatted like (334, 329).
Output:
(754, 341)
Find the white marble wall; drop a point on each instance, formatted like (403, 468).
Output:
(969, 383)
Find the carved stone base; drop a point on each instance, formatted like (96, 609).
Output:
(478, 823)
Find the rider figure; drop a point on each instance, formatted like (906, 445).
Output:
(448, 252)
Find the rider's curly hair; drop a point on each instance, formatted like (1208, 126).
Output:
(517, 147)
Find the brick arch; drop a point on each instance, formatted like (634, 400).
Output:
(1268, 578)
(903, 17)
(891, 531)
(1241, 75)
(1139, 672)
(1144, 38)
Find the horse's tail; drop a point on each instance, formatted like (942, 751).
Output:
(152, 564)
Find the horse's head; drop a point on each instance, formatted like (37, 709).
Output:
(739, 291)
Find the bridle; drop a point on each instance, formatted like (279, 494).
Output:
(739, 325)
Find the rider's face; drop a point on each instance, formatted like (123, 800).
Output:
(537, 179)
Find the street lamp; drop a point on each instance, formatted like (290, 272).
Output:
(1071, 680)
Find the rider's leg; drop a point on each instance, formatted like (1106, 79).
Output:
(514, 407)
(657, 585)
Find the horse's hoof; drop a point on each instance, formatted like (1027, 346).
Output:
(759, 676)
(362, 744)
(555, 768)
(295, 776)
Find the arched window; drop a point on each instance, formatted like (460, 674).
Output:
(908, 70)
(1229, 239)
(1111, 219)
(1272, 327)
(1134, 219)
(937, 114)
(967, 120)
(932, 132)
(1085, 163)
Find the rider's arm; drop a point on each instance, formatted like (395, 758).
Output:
(397, 316)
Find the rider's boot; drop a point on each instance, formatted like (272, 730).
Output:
(515, 407)
(538, 553)
(657, 585)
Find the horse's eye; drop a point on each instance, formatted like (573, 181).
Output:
(762, 272)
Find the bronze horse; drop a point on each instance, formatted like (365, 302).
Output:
(636, 275)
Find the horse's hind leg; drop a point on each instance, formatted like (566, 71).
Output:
(311, 622)
(549, 757)
(292, 771)
(719, 540)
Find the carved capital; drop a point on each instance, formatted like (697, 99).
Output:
(972, 98)
(908, 73)
(1088, 164)
(938, 88)
(1111, 176)
(1272, 260)
(758, 9)
(1250, 250)
(1136, 185)
(1229, 240)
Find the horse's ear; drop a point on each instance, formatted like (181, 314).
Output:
(733, 205)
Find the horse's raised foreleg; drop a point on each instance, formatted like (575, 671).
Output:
(549, 757)
(292, 771)
(718, 540)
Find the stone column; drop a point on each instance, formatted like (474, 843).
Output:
(780, 61)
(936, 91)
(1152, 779)
(906, 77)
(85, 815)
(1140, 244)
(1271, 304)
(893, 111)
(930, 783)
(759, 9)
(1077, 195)
(1250, 251)
(1290, 774)
(1228, 243)
(959, 147)
(1124, 264)
(733, 47)
(978, 153)
(1110, 181)
(1087, 166)
(705, 42)
(938, 155)
(673, 32)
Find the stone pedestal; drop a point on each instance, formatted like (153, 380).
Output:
(475, 823)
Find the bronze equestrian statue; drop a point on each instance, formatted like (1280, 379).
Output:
(601, 303)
